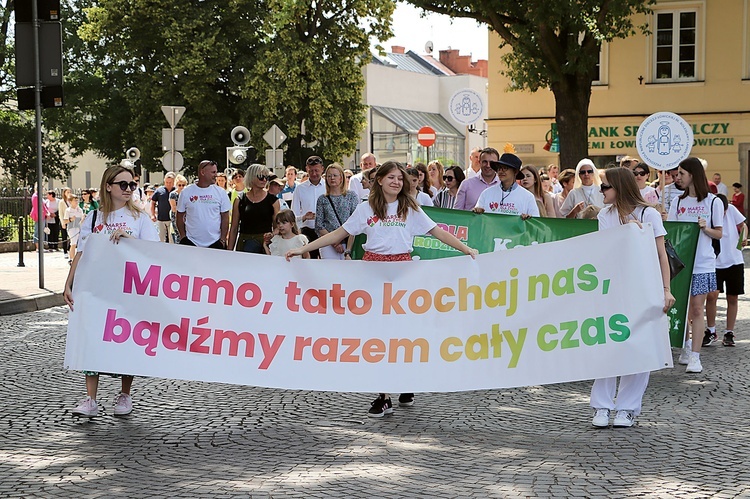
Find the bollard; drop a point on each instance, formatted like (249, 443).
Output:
(20, 242)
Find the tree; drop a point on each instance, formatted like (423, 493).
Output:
(309, 77)
(554, 44)
(18, 128)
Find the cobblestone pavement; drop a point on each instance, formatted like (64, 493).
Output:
(189, 439)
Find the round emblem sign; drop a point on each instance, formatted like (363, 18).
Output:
(426, 136)
(466, 106)
(663, 140)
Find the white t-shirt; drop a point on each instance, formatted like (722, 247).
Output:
(609, 217)
(279, 246)
(424, 199)
(391, 236)
(518, 201)
(355, 184)
(139, 227)
(203, 207)
(690, 210)
(730, 255)
(469, 172)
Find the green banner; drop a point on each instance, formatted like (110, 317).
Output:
(488, 233)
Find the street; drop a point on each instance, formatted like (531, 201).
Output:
(190, 439)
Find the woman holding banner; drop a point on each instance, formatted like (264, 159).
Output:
(117, 217)
(697, 204)
(390, 219)
(625, 204)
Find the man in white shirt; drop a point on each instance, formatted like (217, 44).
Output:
(475, 166)
(507, 197)
(366, 162)
(721, 187)
(203, 211)
(305, 199)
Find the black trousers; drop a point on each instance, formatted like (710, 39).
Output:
(311, 236)
(217, 245)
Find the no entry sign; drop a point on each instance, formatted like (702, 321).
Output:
(426, 136)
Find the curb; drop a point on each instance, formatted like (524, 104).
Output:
(31, 303)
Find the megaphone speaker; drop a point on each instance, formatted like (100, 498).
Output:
(133, 154)
(240, 135)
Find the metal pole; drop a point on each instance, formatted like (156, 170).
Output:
(38, 108)
(20, 242)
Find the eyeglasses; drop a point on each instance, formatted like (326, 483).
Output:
(265, 178)
(499, 167)
(586, 172)
(448, 179)
(640, 173)
(125, 184)
(605, 187)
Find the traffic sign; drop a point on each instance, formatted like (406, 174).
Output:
(173, 114)
(166, 139)
(426, 136)
(274, 137)
(179, 161)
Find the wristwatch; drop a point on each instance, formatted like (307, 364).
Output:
(347, 253)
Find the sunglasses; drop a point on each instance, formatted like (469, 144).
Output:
(125, 184)
(314, 162)
(586, 172)
(448, 179)
(181, 185)
(605, 187)
(640, 173)
(265, 178)
(348, 176)
(498, 167)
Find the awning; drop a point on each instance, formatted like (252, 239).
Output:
(412, 121)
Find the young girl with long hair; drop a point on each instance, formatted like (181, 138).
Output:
(286, 235)
(697, 204)
(532, 182)
(390, 218)
(625, 204)
(117, 217)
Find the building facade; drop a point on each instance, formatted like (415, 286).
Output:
(695, 62)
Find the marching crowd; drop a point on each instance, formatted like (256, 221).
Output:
(316, 213)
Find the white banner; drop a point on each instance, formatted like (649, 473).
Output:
(582, 308)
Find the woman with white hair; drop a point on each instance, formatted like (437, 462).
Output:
(585, 191)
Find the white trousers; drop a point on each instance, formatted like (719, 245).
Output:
(328, 253)
(629, 396)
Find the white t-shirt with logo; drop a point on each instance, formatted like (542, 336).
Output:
(729, 255)
(690, 210)
(391, 236)
(139, 227)
(608, 217)
(518, 201)
(203, 207)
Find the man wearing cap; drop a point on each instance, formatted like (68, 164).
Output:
(470, 189)
(507, 197)
(275, 186)
(305, 199)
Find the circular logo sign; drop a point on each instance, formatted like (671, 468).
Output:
(466, 106)
(663, 140)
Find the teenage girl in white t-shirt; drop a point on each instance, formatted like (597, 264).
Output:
(390, 219)
(697, 204)
(624, 204)
(118, 217)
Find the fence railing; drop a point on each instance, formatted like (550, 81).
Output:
(15, 204)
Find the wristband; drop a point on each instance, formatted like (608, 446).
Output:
(347, 253)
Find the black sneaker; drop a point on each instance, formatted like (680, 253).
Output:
(728, 339)
(380, 407)
(708, 338)
(406, 399)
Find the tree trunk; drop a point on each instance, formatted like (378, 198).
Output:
(572, 96)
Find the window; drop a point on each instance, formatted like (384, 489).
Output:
(601, 77)
(676, 45)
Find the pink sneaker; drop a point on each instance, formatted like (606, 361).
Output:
(87, 408)
(123, 404)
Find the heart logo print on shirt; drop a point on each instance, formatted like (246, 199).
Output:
(193, 199)
(494, 205)
(371, 221)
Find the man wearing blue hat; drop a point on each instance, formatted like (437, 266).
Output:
(507, 197)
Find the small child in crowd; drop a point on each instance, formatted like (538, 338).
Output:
(74, 214)
(287, 236)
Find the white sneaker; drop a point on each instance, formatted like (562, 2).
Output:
(624, 419)
(694, 366)
(601, 418)
(87, 408)
(123, 404)
(684, 356)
